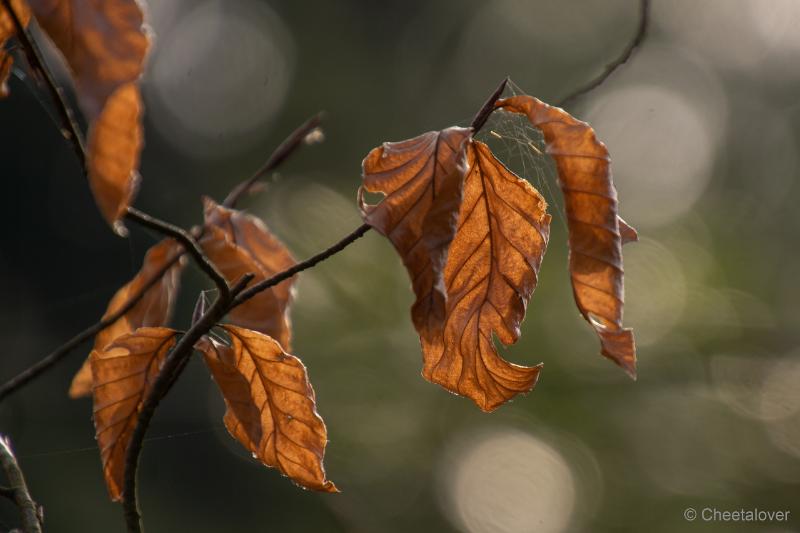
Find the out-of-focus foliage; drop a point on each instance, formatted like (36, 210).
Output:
(702, 126)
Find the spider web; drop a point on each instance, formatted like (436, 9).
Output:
(521, 148)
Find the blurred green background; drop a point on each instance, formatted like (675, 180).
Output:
(703, 128)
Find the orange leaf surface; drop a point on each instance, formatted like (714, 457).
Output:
(492, 269)
(124, 373)
(154, 309)
(239, 243)
(421, 182)
(115, 141)
(104, 45)
(7, 30)
(271, 407)
(596, 233)
(103, 42)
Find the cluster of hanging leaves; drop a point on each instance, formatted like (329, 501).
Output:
(104, 45)
(472, 235)
(271, 406)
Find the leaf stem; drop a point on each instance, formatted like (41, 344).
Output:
(633, 44)
(488, 107)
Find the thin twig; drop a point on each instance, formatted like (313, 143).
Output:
(31, 519)
(189, 244)
(486, 110)
(174, 363)
(59, 353)
(69, 127)
(303, 265)
(638, 37)
(177, 359)
(281, 153)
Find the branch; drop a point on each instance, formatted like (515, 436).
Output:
(31, 519)
(54, 357)
(278, 156)
(281, 153)
(172, 366)
(179, 356)
(638, 37)
(483, 114)
(69, 127)
(189, 244)
(299, 267)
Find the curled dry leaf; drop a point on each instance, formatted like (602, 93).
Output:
(124, 373)
(115, 141)
(104, 45)
(421, 182)
(473, 261)
(153, 309)
(271, 407)
(239, 243)
(8, 30)
(491, 272)
(596, 233)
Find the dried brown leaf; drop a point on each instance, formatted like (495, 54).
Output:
(104, 45)
(491, 272)
(239, 243)
(154, 309)
(421, 182)
(271, 407)
(124, 373)
(596, 233)
(103, 42)
(115, 141)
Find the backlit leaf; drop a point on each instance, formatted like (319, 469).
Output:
(596, 233)
(154, 309)
(491, 272)
(239, 243)
(421, 182)
(271, 406)
(115, 141)
(124, 373)
(104, 43)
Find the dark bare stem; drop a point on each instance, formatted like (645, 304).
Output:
(31, 519)
(483, 115)
(35, 58)
(281, 153)
(179, 356)
(54, 357)
(173, 365)
(635, 42)
(292, 142)
(187, 240)
(303, 265)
